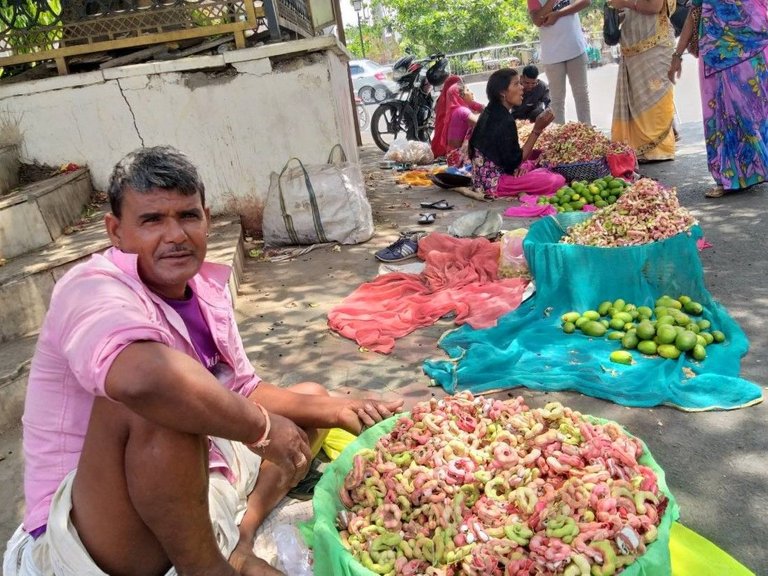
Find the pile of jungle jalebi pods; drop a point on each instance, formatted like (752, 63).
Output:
(477, 486)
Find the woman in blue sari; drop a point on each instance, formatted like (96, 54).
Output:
(733, 71)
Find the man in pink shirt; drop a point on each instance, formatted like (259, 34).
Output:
(151, 446)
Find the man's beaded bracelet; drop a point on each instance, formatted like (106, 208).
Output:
(677, 55)
(264, 441)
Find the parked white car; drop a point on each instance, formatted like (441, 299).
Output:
(371, 81)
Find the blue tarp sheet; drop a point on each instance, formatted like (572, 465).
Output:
(528, 348)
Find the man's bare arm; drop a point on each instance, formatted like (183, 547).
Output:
(174, 390)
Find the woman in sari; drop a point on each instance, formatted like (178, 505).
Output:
(500, 166)
(443, 116)
(644, 107)
(461, 120)
(733, 76)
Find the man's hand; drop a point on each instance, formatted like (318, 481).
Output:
(355, 415)
(288, 447)
(551, 18)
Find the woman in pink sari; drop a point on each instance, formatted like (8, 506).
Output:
(500, 166)
(443, 117)
(461, 120)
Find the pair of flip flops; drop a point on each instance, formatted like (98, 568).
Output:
(427, 218)
(439, 205)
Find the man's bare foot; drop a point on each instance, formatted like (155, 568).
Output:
(247, 563)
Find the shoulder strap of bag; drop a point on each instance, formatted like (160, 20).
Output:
(343, 157)
(287, 219)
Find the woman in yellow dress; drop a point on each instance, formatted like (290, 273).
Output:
(644, 107)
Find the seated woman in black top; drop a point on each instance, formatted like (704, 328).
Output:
(499, 166)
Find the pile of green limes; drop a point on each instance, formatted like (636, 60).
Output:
(599, 193)
(673, 327)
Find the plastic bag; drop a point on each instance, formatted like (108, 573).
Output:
(317, 203)
(512, 262)
(293, 556)
(611, 28)
(409, 151)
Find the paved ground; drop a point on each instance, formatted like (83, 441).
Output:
(716, 463)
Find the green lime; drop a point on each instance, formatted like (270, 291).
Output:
(666, 334)
(685, 341)
(569, 327)
(647, 347)
(718, 336)
(698, 352)
(621, 357)
(604, 307)
(668, 351)
(645, 331)
(629, 341)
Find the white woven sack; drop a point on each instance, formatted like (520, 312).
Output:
(317, 203)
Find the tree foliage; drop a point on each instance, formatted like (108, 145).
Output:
(380, 42)
(438, 26)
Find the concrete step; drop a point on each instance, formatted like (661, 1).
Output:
(26, 284)
(35, 215)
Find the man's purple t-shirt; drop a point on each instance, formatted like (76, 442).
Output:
(198, 329)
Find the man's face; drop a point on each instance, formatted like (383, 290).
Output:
(529, 84)
(168, 232)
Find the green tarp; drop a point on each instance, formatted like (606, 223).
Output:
(332, 559)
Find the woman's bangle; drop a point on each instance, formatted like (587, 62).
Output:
(677, 55)
(264, 440)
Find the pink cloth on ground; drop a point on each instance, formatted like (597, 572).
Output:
(461, 277)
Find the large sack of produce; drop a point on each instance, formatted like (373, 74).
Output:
(632, 258)
(470, 486)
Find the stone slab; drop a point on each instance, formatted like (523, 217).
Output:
(39, 213)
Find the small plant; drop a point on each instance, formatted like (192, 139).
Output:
(10, 133)
(473, 67)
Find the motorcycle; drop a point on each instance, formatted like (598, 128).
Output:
(411, 111)
(362, 113)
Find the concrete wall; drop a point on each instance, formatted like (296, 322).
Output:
(239, 116)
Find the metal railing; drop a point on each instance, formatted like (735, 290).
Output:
(36, 30)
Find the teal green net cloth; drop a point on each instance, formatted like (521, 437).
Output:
(528, 348)
(332, 559)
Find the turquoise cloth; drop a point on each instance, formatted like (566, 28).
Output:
(528, 348)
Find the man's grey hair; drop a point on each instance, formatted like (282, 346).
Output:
(156, 167)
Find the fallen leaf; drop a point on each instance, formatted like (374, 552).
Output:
(255, 253)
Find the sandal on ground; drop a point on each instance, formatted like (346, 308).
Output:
(427, 218)
(716, 192)
(439, 205)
